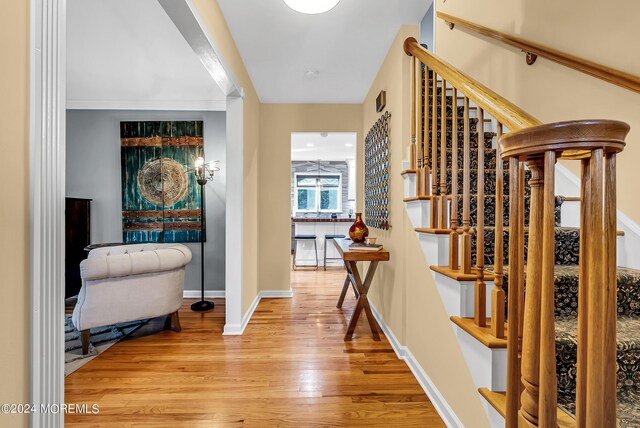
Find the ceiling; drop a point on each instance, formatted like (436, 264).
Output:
(346, 45)
(124, 54)
(313, 146)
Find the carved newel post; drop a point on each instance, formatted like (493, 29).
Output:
(595, 144)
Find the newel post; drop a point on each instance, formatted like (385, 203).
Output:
(595, 143)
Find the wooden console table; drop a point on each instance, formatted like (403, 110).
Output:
(351, 258)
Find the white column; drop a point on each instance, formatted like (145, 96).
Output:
(47, 191)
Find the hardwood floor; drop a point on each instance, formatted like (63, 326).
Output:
(290, 368)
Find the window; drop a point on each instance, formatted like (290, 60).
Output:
(314, 192)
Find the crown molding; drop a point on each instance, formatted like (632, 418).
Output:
(187, 105)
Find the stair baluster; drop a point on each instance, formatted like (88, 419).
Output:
(419, 83)
(413, 148)
(521, 259)
(453, 241)
(600, 295)
(480, 310)
(424, 124)
(532, 309)
(516, 272)
(466, 191)
(442, 202)
(497, 294)
(434, 153)
(548, 415)
(583, 275)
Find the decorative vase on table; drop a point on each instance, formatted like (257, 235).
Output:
(358, 231)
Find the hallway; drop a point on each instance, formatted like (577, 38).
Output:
(290, 368)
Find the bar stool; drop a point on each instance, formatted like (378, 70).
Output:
(328, 238)
(295, 249)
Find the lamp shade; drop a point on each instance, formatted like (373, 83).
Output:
(312, 7)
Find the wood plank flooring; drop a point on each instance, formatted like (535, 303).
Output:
(291, 368)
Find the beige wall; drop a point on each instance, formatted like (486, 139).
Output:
(14, 208)
(404, 292)
(217, 26)
(606, 33)
(277, 122)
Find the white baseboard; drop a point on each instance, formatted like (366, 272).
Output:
(404, 353)
(238, 330)
(276, 294)
(208, 294)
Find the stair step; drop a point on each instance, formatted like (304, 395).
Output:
(489, 159)
(481, 334)
(566, 290)
(628, 413)
(628, 359)
(473, 111)
(489, 182)
(417, 198)
(567, 242)
(473, 139)
(459, 275)
(489, 209)
(498, 400)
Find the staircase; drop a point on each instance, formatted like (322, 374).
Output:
(479, 192)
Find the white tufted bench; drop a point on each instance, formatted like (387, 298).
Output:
(129, 283)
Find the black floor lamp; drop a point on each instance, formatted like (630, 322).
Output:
(203, 172)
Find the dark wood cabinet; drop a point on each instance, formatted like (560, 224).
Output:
(77, 237)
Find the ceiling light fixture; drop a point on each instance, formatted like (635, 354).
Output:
(348, 145)
(310, 144)
(312, 7)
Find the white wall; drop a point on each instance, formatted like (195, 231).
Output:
(93, 171)
(426, 29)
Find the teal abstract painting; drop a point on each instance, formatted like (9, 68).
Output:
(160, 195)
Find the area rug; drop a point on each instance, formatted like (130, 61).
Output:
(102, 338)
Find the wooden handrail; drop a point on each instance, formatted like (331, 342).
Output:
(534, 50)
(505, 112)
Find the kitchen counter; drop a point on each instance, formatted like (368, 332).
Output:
(321, 227)
(322, 220)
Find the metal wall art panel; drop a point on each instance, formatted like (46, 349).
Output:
(376, 175)
(160, 199)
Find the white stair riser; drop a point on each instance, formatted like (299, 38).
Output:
(418, 212)
(458, 296)
(409, 185)
(435, 248)
(488, 366)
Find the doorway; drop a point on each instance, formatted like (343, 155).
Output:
(47, 187)
(323, 195)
